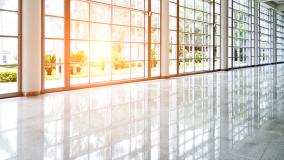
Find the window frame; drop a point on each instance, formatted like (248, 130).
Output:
(19, 61)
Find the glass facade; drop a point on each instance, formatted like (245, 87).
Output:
(9, 46)
(280, 38)
(54, 61)
(241, 33)
(173, 31)
(265, 35)
(94, 42)
(154, 52)
(196, 35)
(108, 41)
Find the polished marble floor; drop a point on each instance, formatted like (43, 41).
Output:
(235, 115)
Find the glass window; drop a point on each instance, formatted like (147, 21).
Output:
(265, 35)
(9, 50)
(114, 34)
(198, 40)
(280, 38)
(241, 33)
(54, 67)
(108, 41)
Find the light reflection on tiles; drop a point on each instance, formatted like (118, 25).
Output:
(208, 116)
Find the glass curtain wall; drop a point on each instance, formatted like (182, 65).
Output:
(173, 12)
(265, 35)
(54, 44)
(108, 41)
(198, 41)
(155, 50)
(280, 38)
(241, 33)
(9, 46)
(217, 36)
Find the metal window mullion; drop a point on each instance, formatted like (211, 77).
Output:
(149, 37)
(111, 37)
(67, 42)
(130, 27)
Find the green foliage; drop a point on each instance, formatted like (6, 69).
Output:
(50, 59)
(116, 48)
(180, 51)
(8, 76)
(154, 58)
(119, 62)
(78, 57)
(198, 57)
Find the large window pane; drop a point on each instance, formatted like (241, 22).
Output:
(54, 63)
(100, 32)
(8, 79)
(9, 47)
(241, 33)
(196, 32)
(9, 5)
(80, 30)
(108, 40)
(121, 16)
(8, 23)
(79, 58)
(54, 27)
(8, 51)
(79, 10)
(100, 13)
(54, 58)
(54, 7)
(280, 38)
(265, 35)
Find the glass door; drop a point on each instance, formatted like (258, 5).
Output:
(9, 47)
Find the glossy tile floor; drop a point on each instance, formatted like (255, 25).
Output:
(224, 115)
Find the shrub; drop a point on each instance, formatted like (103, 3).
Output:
(154, 58)
(198, 57)
(118, 60)
(8, 76)
(50, 60)
(78, 57)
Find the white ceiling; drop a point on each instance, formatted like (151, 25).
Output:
(276, 4)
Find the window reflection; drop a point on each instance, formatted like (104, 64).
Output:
(185, 118)
(8, 130)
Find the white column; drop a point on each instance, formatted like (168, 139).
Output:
(256, 33)
(165, 38)
(31, 55)
(224, 34)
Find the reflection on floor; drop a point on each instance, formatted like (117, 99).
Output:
(225, 115)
